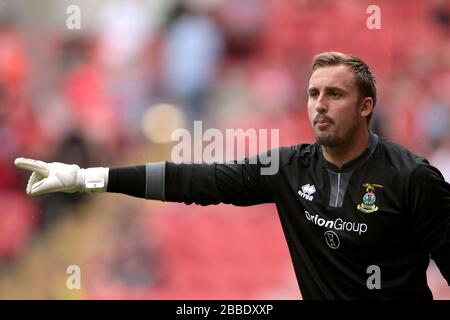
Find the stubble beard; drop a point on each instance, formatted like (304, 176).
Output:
(333, 140)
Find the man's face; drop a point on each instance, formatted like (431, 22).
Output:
(333, 105)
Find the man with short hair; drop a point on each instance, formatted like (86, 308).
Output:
(352, 205)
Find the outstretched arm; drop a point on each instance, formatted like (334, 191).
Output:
(234, 183)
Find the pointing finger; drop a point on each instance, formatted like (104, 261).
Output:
(37, 166)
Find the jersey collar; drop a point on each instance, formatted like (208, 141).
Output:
(351, 165)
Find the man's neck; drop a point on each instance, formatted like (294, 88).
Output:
(343, 154)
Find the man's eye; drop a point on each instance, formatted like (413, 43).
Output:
(313, 94)
(335, 94)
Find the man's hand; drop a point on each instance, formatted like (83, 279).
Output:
(61, 177)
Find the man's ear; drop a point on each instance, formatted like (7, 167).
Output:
(366, 107)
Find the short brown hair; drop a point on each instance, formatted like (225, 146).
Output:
(365, 80)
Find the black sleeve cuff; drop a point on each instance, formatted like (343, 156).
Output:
(127, 180)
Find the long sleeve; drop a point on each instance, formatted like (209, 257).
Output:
(240, 183)
(246, 182)
(429, 199)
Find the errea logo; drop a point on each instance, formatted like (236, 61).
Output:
(307, 191)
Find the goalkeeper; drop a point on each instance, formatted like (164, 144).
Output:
(347, 203)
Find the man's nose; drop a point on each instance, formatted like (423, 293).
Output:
(321, 104)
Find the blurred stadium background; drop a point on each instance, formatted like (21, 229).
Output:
(111, 93)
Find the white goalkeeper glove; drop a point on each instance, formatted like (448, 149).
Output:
(61, 177)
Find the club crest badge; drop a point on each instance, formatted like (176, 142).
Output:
(369, 198)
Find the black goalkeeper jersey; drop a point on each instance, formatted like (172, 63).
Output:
(387, 211)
